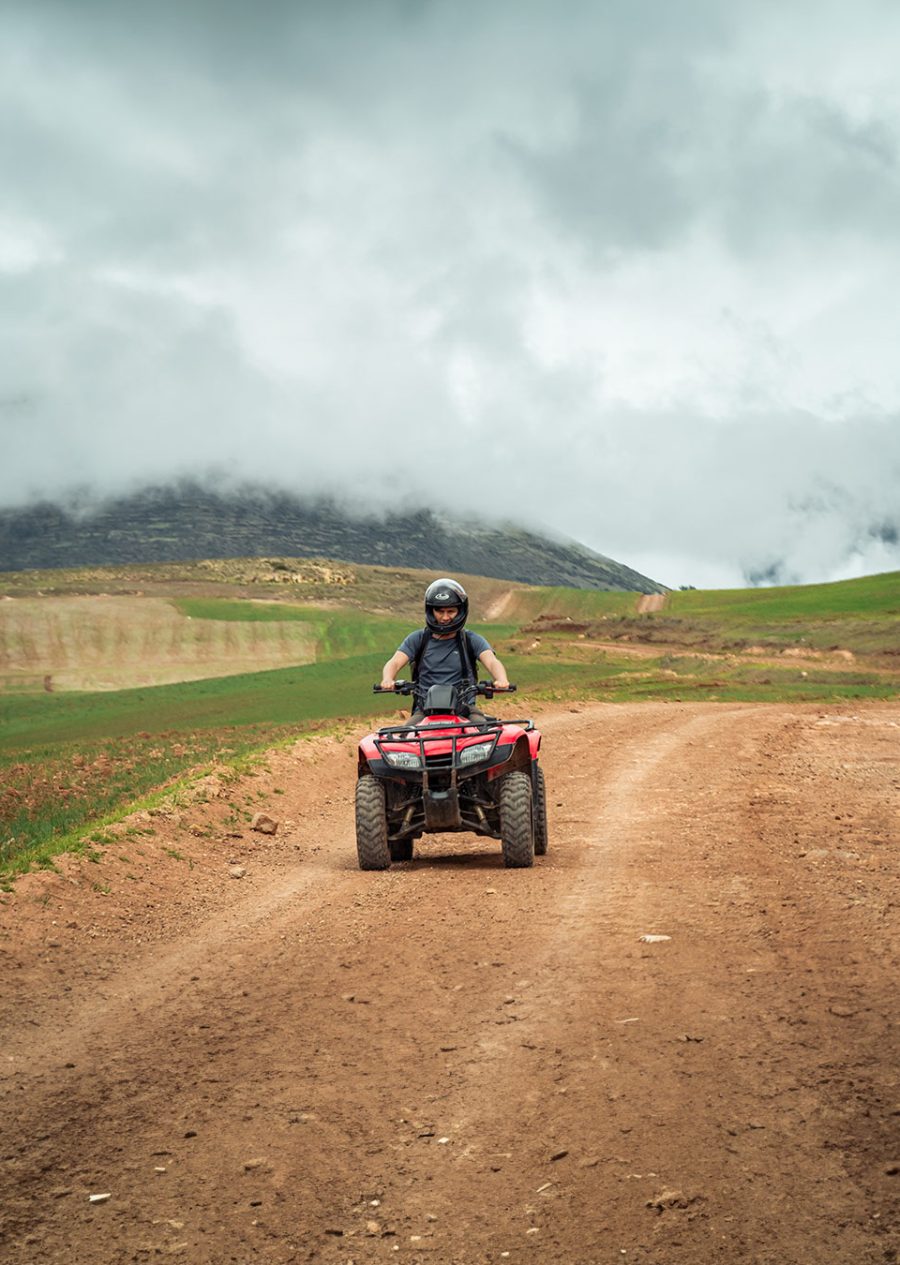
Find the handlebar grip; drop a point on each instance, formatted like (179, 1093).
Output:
(488, 689)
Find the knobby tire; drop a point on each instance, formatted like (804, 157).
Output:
(540, 816)
(371, 825)
(516, 821)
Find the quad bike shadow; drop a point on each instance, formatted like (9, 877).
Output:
(450, 773)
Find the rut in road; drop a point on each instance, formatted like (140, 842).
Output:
(352, 1063)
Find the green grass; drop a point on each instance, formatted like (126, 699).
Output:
(340, 632)
(870, 597)
(859, 615)
(53, 796)
(283, 696)
(232, 609)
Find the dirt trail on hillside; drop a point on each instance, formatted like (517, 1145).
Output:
(648, 603)
(499, 606)
(455, 1063)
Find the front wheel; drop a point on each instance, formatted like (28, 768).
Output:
(540, 815)
(516, 821)
(371, 825)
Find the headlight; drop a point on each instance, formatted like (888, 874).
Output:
(480, 751)
(403, 759)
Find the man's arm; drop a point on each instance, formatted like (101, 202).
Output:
(395, 663)
(495, 667)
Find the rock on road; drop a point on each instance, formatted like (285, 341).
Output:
(455, 1063)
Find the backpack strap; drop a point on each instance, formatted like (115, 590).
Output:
(467, 655)
(417, 658)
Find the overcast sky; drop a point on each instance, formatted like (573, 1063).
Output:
(631, 270)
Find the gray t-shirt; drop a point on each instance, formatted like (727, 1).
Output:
(442, 662)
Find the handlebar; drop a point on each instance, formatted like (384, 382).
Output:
(486, 688)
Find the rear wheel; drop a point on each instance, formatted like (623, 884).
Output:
(516, 821)
(540, 815)
(371, 825)
(401, 849)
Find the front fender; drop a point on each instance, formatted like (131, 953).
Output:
(520, 759)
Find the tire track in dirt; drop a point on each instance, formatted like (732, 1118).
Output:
(411, 1049)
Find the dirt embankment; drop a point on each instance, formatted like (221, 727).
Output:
(455, 1063)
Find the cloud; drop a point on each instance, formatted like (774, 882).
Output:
(631, 272)
(760, 172)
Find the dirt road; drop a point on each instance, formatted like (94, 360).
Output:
(455, 1063)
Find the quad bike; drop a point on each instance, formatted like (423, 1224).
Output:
(450, 773)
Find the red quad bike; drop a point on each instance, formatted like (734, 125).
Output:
(449, 773)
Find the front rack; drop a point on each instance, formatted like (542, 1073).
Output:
(476, 727)
(411, 735)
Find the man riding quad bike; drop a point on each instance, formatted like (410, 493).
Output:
(450, 767)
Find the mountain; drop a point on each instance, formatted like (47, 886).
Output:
(186, 522)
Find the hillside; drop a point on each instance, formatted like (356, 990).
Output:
(108, 628)
(187, 522)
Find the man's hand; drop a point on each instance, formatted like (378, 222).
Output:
(387, 683)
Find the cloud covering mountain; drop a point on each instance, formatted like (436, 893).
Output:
(630, 268)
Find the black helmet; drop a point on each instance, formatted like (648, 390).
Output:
(446, 593)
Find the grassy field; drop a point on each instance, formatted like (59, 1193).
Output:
(70, 761)
(862, 616)
(59, 796)
(869, 597)
(336, 632)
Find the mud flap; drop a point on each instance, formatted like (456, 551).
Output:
(442, 809)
